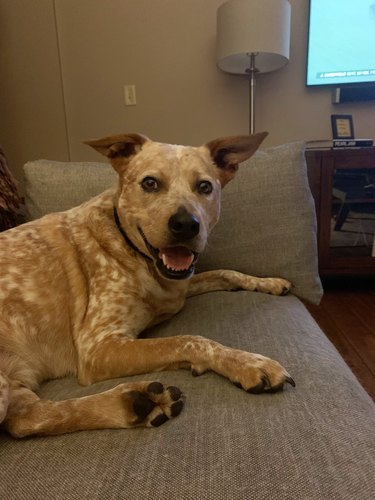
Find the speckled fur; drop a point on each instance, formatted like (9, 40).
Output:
(74, 296)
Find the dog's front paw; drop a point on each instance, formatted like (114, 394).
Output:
(274, 286)
(254, 373)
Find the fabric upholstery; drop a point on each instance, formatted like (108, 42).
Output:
(267, 225)
(313, 442)
(55, 186)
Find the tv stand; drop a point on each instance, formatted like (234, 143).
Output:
(342, 182)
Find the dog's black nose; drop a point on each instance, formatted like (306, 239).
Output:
(183, 225)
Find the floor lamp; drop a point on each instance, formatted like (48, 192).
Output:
(253, 37)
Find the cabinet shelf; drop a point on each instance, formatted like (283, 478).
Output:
(343, 186)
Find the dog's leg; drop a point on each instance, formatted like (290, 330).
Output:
(4, 396)
(253, 372)
(213, 281)
(139, 404)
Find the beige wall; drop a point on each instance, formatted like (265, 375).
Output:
(64, 63)
(32, 121)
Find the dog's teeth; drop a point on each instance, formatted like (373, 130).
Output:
(168, 260)
(166, 264)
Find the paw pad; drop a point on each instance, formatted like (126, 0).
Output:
(155, 405)
(142, 405)
(176, 408)
(174, 392)
(159, 420)
(155, 387)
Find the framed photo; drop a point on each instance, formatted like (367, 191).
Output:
(342, 127)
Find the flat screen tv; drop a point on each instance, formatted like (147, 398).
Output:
(341, 42)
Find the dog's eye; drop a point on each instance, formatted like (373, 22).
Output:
(205, 187)
(150, 184)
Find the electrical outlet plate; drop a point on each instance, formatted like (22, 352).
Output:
(129, 95)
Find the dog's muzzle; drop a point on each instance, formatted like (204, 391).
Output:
(177, 260)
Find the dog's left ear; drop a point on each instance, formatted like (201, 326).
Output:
(118, 147)
(228, 152)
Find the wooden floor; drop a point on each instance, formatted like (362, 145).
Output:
(347, 316)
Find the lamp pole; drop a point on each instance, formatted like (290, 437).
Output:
(252, 71)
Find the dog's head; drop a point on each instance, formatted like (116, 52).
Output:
(169, 196)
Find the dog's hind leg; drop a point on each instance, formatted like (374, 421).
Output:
(4, 396)
(138, 404)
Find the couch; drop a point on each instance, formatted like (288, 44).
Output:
(314, 441)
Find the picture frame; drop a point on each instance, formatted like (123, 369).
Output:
(342, 127)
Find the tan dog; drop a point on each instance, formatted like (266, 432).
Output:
(78, 287)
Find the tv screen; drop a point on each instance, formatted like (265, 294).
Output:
(341, 43)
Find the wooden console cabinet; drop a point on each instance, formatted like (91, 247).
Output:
(342, 182)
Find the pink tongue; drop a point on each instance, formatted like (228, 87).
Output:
(176, 258)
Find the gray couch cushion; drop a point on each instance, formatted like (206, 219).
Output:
(312, 442)
(267, 226)
(55, 186)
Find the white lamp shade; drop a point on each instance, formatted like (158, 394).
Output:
(253, 26)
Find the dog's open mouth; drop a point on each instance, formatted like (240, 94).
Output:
(173, 262)
(177, 261)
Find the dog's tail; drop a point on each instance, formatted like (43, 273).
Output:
(4, 396)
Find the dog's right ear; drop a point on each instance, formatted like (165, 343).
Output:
(118, 147)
